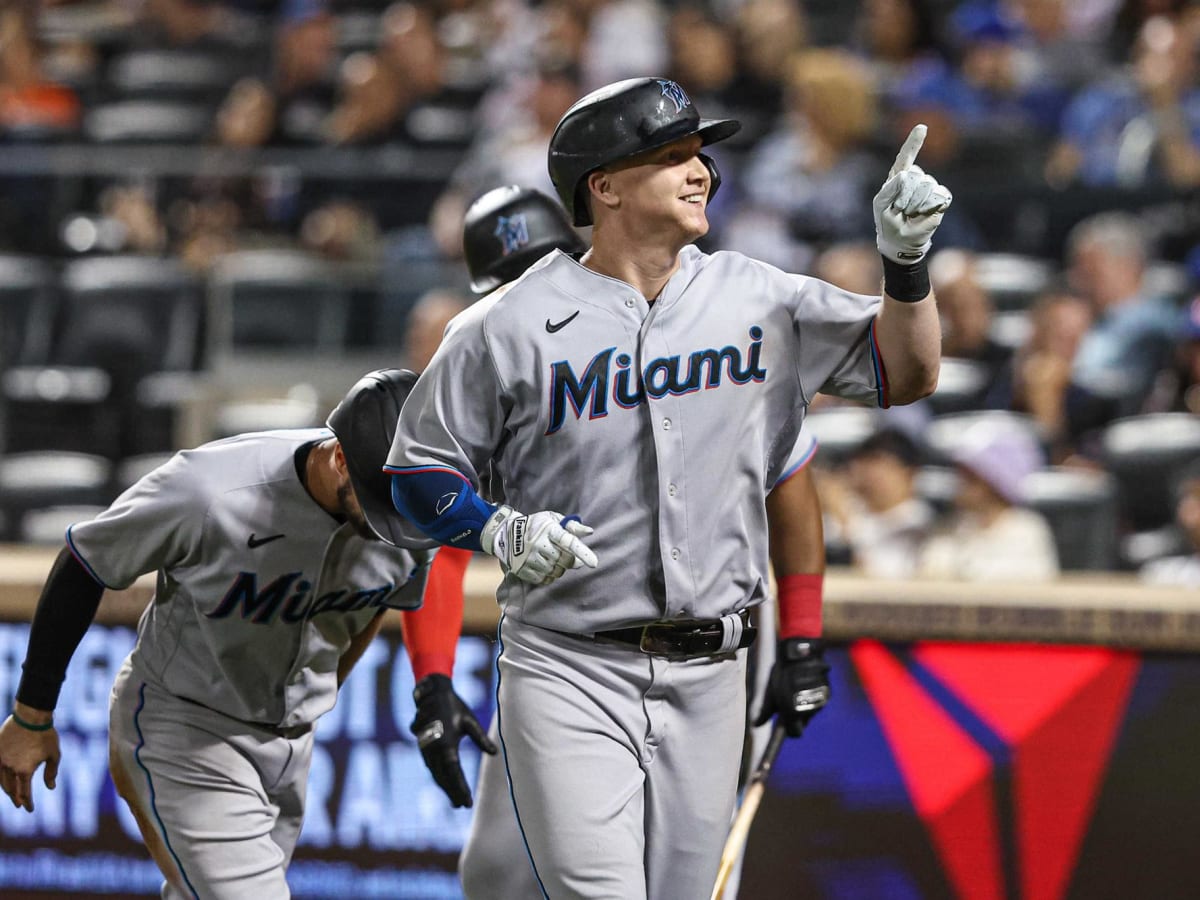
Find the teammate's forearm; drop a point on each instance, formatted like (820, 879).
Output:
(443, 504)
(909, 337)
(431, 632)
(797, 547)
(64, 613)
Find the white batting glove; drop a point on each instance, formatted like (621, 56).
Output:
(537, 548)
(909, 206)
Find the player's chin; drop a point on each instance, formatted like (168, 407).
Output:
(695, 223)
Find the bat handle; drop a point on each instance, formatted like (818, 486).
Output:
(740, 830)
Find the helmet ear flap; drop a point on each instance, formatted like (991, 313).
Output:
(714, 174)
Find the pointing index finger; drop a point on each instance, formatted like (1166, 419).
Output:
(908, 152)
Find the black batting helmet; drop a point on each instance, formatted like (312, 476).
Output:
(621, 120)
(364, 423)
(510, 228)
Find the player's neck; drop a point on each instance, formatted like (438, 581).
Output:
(320, 476)
(645, 269)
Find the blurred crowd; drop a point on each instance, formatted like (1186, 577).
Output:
(1071, 313)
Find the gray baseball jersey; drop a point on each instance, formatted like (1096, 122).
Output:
(259, 589)
(662, 426)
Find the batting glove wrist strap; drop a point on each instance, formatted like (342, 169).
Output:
(908, 284)
(441, 722)
(537, 548)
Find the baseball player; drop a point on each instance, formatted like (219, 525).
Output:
(652, 392)
(505, 231)
(277, 554)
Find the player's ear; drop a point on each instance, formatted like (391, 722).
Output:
(339, 458)
(602, 189)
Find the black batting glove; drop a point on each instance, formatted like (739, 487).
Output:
(441, 722)
(799, 685)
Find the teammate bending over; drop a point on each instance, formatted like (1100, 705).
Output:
(276, 561)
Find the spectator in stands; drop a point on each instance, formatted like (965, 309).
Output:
(894, 36)
(872, 505)
(513, 154)
(1182, 570)
(370, 102)
(427, 323)
(988, 110)
(625, 39)
(32, 106)
(769, 34)
(966, 311)
(246, 117)
(1139, 127)
(1037, 380)
(341, 230)
(704, 59)
(1178, 386)
(205, 226)
(804, 183)
(1064, 39)
(1130, 340)
(990, 535)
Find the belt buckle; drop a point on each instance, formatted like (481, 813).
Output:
(654, 644)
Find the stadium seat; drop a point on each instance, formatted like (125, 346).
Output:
(147, 122)
(123, 318)
(1013, 280)
(840, 429)
(1147, 454)
(174, 74)
(48, 525)
(1081, 507)
(278, 302)
(1010, 329)
(300, 410)
(1141, 547)
(39, 480)
(26, 309)
(936, 485)
(962, 385)
(944, 431)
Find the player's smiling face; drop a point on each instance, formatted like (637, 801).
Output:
(666, 186)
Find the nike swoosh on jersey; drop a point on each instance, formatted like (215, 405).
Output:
(258, 542)
(552, 327)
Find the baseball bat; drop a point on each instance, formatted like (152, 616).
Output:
(740, 829)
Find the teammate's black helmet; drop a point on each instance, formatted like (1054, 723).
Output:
(621, 120)
(364, 423)
(510, 228)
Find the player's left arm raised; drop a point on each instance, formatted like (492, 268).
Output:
(908, 210)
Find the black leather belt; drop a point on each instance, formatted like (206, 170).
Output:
(689, 639)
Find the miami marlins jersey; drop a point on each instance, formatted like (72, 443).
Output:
(259, 589)
(662, 425)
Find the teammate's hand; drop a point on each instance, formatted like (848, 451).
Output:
(441, 722)
(21, 752)
(909, 206)
(798, 687)
(537, 548)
